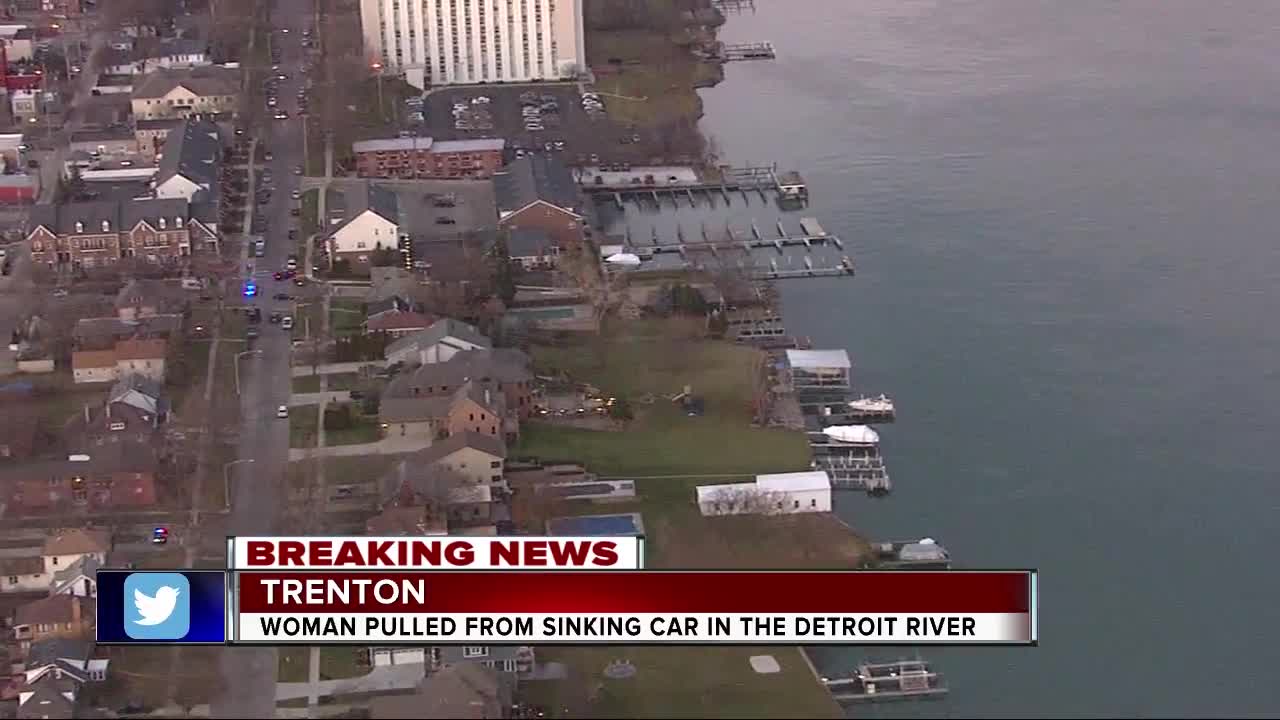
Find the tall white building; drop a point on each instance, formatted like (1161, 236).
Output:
(451, 42)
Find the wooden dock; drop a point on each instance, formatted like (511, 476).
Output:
(735, 6)
(735, 52)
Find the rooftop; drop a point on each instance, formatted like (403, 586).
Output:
(794, 482)
(439, 330)
(532, 178)
(53, 609)
(528, 242)
(819, 359)
(193, 152)
(202, 81)
(78, 541)
(381, 201)
(444, 448)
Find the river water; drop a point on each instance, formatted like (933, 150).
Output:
(1065, 220)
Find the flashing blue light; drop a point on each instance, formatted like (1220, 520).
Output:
(250, 289)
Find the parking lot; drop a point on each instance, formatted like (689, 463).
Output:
(564, 121)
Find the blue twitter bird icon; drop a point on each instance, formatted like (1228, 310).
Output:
(157, 606)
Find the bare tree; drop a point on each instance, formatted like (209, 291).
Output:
(740, 500)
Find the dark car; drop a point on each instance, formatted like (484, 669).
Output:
(277, 275)
(275, 317)
(300, 281)
(251, 333)
(282, 296)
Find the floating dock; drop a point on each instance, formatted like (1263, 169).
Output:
(877, 682)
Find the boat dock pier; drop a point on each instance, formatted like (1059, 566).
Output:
(735, 6)
(733, 52)
(862, 410)
(901, 680)
(650, 184)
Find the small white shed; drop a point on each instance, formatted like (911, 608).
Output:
(770, 494)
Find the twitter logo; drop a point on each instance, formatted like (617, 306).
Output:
(157, 606)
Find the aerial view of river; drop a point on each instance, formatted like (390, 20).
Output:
(1066, 220)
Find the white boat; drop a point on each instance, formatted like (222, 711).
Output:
(623, 259)
(880, 404)
(859, 434)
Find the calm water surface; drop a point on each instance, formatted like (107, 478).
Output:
(1066, 217)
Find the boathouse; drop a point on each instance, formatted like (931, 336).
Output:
(819, 369)
(780, 493)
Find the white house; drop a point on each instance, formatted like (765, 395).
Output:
(444, 339)
(384, 656)
(372, 221)
(23, 574)
(80, 578)
(770, 494)
(67, 547)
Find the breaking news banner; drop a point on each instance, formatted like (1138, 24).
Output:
(151, 607)
(636, 607)
(435, 553)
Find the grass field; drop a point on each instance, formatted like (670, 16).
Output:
(657, 82)
(659, 358)
(345, 316)
(681, 682)
(303, 424)
(336, 381)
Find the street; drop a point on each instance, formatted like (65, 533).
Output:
(257, 488)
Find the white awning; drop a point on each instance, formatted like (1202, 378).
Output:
(623, 259)
(860, 434)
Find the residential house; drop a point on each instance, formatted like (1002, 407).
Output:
(144, 56)
(472, 458)
(128, 357)
(103, 333)
(64, 656)
(462, 691)
(80, 578)
(371, 221)
(398, 322)
(108, 84)
(151, 134)
(538, 191)
(141, 357)
(113, 475)
(508, 368)
(105, 143)
(190, 161)
(94, 366)
(24, 104)
(508, 659)
(533, 247)
(137, 400)
(22, 46)
(445, 338)
(385, 656)
(101, 233)
(56, 616)
(165, 93)
(23, 573)
(68, 547)
(49, 697)
(779, 493)
(423, 157)
(474, 406)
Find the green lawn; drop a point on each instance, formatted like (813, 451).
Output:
(336, 381)
(345, 316)
(335, 663)
(303, 422)
(308, 219)
(680, 682)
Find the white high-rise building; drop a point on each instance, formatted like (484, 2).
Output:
(451, 42)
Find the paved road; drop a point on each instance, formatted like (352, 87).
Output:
(380, 679)
(258, 487)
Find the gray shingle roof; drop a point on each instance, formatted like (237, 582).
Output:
(202, 81)
(380, 200)
(536, 177)
(501, 364)
(173, 210)
(444, 327)
(62, 219)
(193, 151)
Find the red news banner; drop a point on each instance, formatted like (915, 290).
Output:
(482, 592)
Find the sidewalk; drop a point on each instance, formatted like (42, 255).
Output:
(315, 398)
(380, 679)
(333, 368)
(386, 446)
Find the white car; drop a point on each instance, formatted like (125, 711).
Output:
(286, 322)
(282, 411)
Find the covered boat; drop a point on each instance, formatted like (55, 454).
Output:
(859, 434)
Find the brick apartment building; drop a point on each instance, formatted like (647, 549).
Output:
(422, 157)
(101, 233)
(111, 475)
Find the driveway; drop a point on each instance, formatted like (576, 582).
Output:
(380, 679)
(394, 445)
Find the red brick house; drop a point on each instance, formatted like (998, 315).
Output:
(538, 191)
(100, 234)
(423, 157)
(111, 475)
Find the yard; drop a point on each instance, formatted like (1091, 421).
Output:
(652, 361)
(335, 663)
(345, 316)
(336, 381)
(304, 423)
(656, 82)
(680, 682)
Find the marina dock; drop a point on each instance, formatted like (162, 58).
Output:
(652, 184)
(875, 682)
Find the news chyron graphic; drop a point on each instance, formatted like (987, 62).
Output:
(445, 590)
